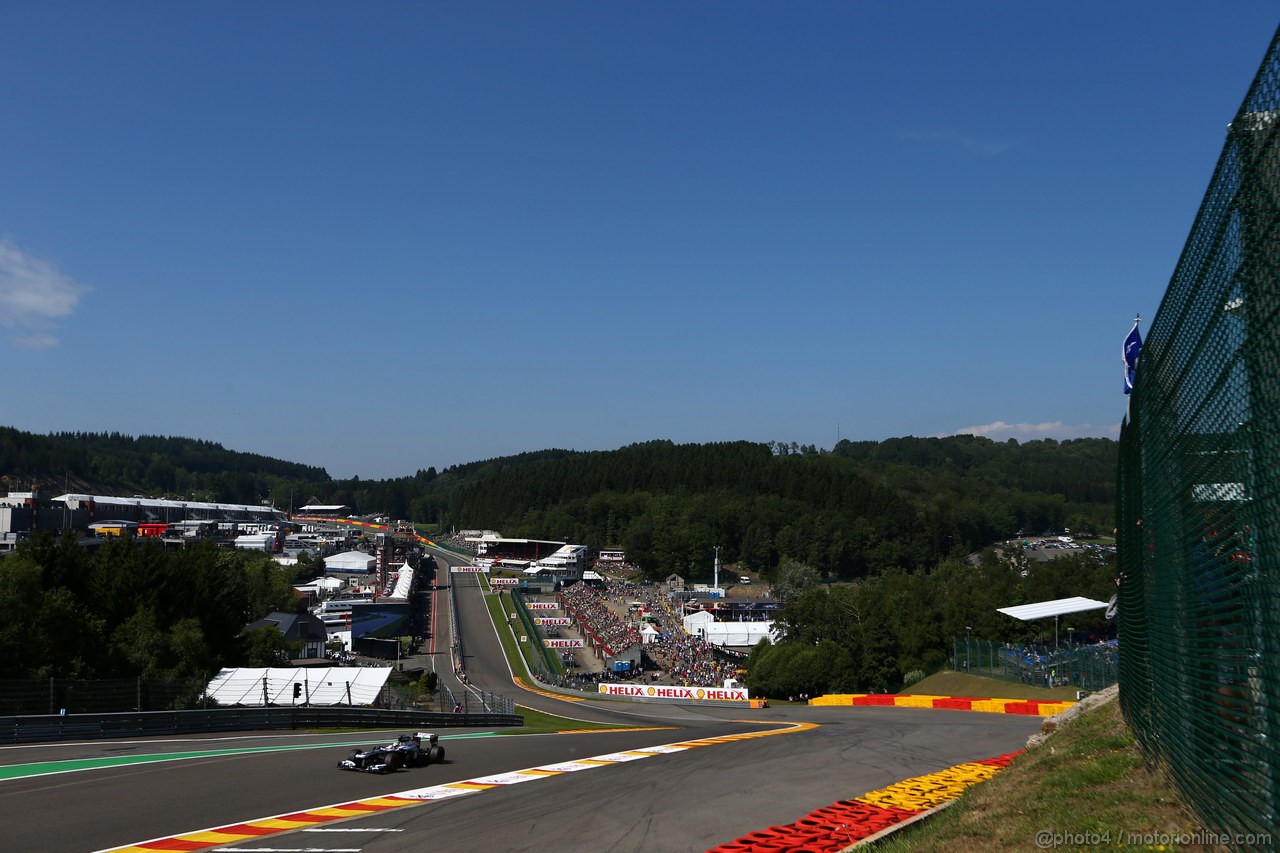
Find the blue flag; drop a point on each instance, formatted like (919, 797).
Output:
(1132, 348)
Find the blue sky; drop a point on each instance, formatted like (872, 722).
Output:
(382, 237)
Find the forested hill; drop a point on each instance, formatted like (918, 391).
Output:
(861, 508)
(156, 466)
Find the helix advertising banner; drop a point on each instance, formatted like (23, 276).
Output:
(669, 691)
(564, 644)
(541, 605)
(462, 570)
(552, 620)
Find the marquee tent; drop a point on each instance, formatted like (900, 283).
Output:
(320, 585)
(703, 624)
(335, 685)
(350, 561)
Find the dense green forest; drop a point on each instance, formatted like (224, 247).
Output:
(871, 634)
(126, 610)
(883, 550)
(155, 466)
(863, 507)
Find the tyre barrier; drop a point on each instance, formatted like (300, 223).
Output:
(1030, 707)
(844, 822)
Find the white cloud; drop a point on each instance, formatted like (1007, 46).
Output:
(972, 144)
(1000, 431)
(33, 294)
(39, 340)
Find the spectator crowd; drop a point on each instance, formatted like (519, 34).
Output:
(611, 616)
(588, 608)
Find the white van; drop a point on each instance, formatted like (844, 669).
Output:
(744, 580)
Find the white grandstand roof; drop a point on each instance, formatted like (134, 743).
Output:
(1057, 607)
(73, 500)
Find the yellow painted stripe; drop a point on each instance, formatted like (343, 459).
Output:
(213, 837)
(387, 801)
(274, 823)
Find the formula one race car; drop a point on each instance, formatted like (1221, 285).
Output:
(416, 750)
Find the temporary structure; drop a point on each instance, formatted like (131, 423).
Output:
(335, 685)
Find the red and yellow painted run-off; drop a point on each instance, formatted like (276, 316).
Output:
(1032, 707)
(847, 822)
(239, 832)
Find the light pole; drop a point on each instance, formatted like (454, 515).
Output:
(1071, 636)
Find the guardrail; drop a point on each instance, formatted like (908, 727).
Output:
(454, 634)
(55, 727)
(535, 633)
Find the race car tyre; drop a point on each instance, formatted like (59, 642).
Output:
(435, 755)
(393, 761)
(354, 755)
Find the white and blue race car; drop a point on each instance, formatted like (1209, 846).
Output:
(415, 750)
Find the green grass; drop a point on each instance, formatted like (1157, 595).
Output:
(510, 647)
(961, 684)
(540, 722)
(1088, 781)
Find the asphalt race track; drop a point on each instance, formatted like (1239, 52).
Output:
(683, 800)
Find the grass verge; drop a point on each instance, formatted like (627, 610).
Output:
(1087, 783)
(510, 647)
(540, 722)
(961, 684)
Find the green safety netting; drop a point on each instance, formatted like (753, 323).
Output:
(1199, 500)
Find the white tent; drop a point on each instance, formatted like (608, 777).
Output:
(648, 634)
(336, 685)
(403, 582)
(319, 586)
(703, 624)
(350, 561)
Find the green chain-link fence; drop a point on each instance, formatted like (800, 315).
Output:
(1199, 503)
(1088, 667)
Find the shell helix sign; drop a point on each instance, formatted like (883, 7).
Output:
(672, 691)
(564, 644)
